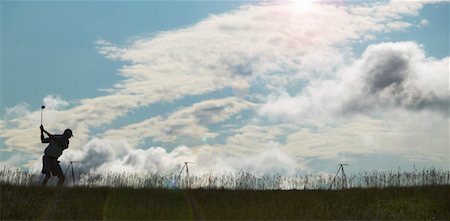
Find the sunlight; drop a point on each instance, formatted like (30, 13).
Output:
(303, 5)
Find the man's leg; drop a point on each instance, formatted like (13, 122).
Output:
(61, 179)
(45, 170)
(60, 174)
(44, 182)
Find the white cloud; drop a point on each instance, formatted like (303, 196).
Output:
(101, 155)
(388, 11)
(393, 100)
(190, 122)
(391, 75)
(240, 88)
(424, 22)
(387, 76)
(411, 136)
(54, 102)
(253, 138)
(20, 110)
(255, 40)
(272, 160)
(398, 25)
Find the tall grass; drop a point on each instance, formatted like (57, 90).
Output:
(240, 180)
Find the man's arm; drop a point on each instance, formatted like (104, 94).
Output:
(48, 134)
(43, 139)
(52, 137)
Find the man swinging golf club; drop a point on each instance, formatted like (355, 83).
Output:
(56, 145)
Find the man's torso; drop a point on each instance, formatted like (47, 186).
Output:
(54, 148)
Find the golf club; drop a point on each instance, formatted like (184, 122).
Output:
(42, 110)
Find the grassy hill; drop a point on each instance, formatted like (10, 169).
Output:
(20, 202)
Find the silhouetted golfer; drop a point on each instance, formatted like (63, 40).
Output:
(50, 163)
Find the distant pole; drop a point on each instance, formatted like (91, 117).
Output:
(187, 174)
(179, 175)
(334, 178)
(343, 176)
(185, 165)
(72, 171)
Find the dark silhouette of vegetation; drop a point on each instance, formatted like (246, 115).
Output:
(417, 194)
(106, 203)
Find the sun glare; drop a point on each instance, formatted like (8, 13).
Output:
(303, 5)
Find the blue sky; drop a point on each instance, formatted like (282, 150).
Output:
(266, 86)
(57, 39)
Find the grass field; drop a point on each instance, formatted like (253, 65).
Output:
(103, 203)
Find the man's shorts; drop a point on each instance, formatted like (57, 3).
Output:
(51, 165)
